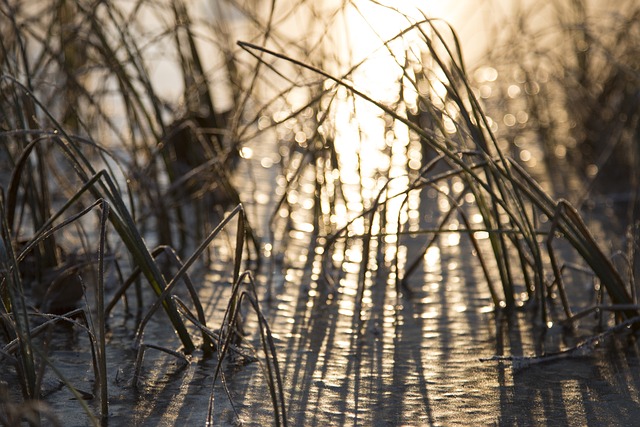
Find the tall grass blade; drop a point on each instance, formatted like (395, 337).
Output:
(15, 306)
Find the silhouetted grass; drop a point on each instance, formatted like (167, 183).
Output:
(517, 214)
(110, 189)
(84, 132)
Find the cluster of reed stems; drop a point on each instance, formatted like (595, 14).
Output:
(84, 190)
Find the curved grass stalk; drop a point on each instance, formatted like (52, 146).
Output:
(568, 221)
(211, 334)
(227, 337)
(142, 350)
(207, 345)
(14, 303)
(238, 210)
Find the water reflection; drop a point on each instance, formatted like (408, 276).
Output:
(371, 353)
(347, 198)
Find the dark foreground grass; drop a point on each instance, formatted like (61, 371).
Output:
(85, 186)
(97, 163)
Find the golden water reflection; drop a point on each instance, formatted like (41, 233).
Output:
(354, 346)
(369, 354)
(326, 186)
